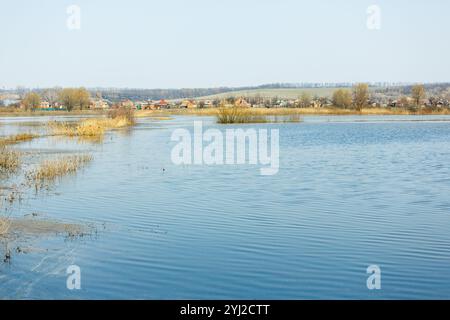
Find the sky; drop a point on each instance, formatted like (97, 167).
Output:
(211, 43)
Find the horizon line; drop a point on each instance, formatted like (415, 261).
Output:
(281, 85)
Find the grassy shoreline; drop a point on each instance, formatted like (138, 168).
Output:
(292, 111)
(214, 111)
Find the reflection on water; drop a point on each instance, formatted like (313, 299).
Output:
(351, 192)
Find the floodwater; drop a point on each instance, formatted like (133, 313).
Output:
(351, 191)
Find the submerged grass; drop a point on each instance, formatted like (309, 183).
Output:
(238, 115)
(4, 226)
(293, 118)
(150, 114)
(9, 160)
(228, 115)
(59, 128)
(51, 170)
(13, 139)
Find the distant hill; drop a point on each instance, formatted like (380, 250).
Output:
(282, 93)
(279, 90)
(156, 94)
(282, 90)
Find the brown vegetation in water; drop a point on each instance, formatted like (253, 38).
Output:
(50, 170)
(17, 138)
(238, 115)
(94, 127)
(229, 115)
(125, 115)
(9, 160)
(4, 226)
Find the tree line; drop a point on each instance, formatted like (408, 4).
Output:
(69, 98)
(358, 97)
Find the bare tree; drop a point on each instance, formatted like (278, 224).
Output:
(360, 95)
(418, 93)
(31, 101)
(68, 98)
(342, 98)
(83, 98)
(305, 100)
(403, 102)
(50, 95)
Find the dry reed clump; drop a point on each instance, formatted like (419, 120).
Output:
(9, 160)
(239, 115)
(21, 137)
(125, 115)
(89, 127)
(249, 115)
(97, 127)
(85, 128)
(63, 128)
(4, 226)
(50, 170)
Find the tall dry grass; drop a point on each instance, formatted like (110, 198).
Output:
(51, 170)
(9, 160)
(238, 115)
(229, 115)
(125, 114)
(4, 226)
(60, 128)
(17, 138)
(92, 127)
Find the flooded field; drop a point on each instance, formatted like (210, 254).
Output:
(351, 191)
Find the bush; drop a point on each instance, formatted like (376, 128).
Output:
(122, 112)
(238, 115)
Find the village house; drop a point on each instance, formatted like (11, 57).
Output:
(154, 106)
(145, 105)
(151, 105)
(241, 102)
(321, 102)
(128, 104)
(282, 103)
(162, 104)
(98, 104)
(188, 104)
(436, 102)
(44, 105)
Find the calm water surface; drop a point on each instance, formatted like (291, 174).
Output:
(351, 192)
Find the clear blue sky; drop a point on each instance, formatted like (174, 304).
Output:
(205, 43)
